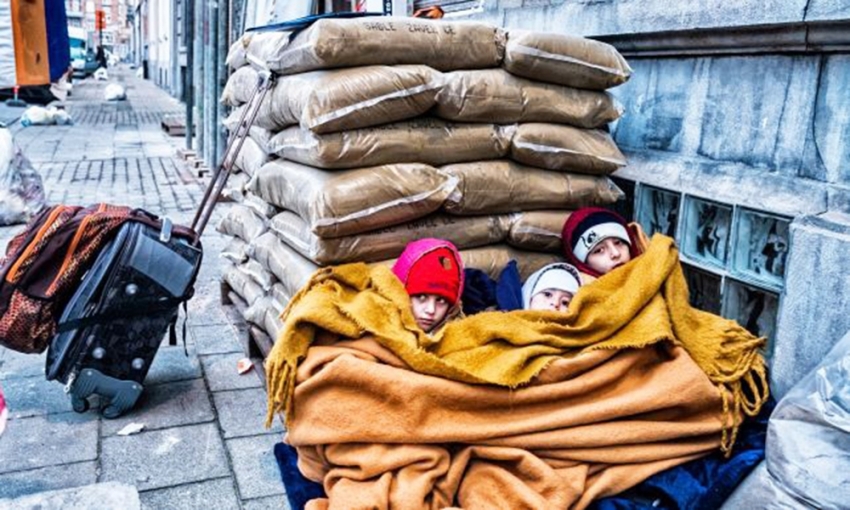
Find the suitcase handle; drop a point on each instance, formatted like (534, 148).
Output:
(265, 82)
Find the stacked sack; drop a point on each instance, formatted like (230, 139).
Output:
(380, 131)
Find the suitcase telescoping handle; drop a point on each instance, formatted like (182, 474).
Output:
(265, 82)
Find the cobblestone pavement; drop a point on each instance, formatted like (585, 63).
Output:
(204, 445)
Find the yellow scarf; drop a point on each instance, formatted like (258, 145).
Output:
(640, 303)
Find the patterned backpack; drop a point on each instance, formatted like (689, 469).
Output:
(45, 263)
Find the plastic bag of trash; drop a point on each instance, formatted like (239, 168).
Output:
(807, 456)
(21, 190)
(114, 92)
(101, 74)
(44, 116)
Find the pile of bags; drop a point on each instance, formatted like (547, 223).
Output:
(380, 131)
(21, 189)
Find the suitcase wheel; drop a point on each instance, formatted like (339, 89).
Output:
(80, 405)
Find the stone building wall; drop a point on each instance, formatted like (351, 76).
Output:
(743, 106)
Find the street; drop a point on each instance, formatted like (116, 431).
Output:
(203, 444)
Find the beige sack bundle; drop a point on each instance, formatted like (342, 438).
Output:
(464, 232)
(493, 259)
(342, 99)
(235, 189)
(494, 95)
(259, 45)
(566, 149)
(565, 59)
(499, 186)
(280, 297)
(291, 269)
(259, 205)
(424, 140)
(236, 251)
(242, 222)
(243, 285)
(272, 324)
(258, 273)
(260, 135)
(538, 230)
(256, 313)
(239, 86)
(443, 45)
(251, 157)
(335, 203)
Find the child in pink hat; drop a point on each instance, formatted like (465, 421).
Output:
(431, 271)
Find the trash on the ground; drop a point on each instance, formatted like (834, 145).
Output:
(114, 92)
(101, 74)
(45, 116)
(131, 428)
(21, 189)
(244, 365)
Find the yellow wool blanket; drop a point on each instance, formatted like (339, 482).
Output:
(639, 304)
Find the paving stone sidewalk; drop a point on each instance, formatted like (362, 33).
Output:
(204, 445)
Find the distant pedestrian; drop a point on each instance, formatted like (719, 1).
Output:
(101, 57)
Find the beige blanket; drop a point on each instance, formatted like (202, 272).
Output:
(379, 435)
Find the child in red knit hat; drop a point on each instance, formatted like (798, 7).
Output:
(432, 273)
(598, 241)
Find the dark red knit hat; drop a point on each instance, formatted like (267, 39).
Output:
(586, 227)
(437, 270)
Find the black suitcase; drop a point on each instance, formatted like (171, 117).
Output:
(111, 329)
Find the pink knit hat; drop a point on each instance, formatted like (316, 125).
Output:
(416, 251)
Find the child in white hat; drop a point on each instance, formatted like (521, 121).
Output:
(551, 287)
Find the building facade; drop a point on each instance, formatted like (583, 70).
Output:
(738, 139)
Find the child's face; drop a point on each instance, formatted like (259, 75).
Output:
(608, 254)
(550, 299)
(428, 310)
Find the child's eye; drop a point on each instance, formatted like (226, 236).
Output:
(547, 294)
(598, 249)
(442, 300)
(619, 242)
(565, 302)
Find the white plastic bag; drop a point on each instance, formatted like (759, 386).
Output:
(807, 454)
(21, 190)
(114, 92)
(41, 116)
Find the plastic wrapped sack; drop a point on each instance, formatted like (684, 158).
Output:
(114, 92)
(807, 459)
(101, 74)
(21, 190)
(41, 116)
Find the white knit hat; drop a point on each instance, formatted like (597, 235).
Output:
(560, 275)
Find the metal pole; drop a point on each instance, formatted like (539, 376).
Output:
(200, 13)
(189, 42)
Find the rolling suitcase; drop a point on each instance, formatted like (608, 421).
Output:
(112, 326)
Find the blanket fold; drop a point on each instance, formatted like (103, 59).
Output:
(640, 304)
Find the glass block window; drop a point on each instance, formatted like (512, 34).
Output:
(754, 308)
(761, 247)
(658, 211)
(733, 257)
(706, 231)
(704, 287)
